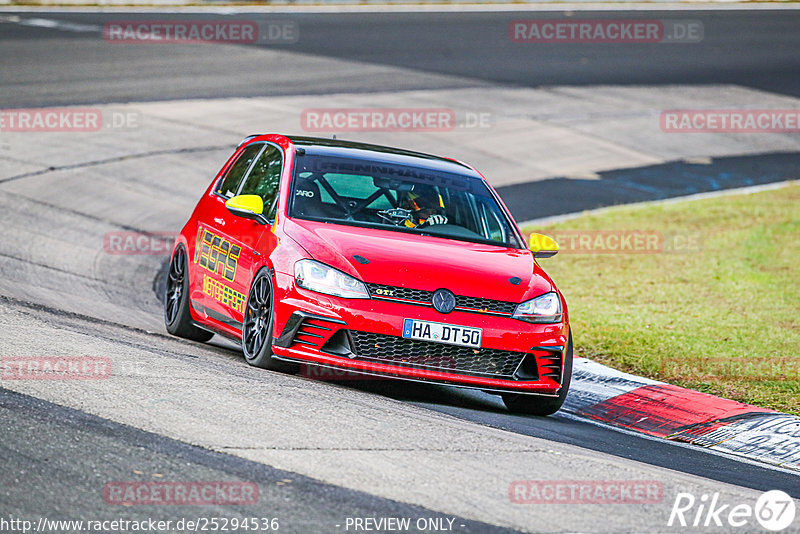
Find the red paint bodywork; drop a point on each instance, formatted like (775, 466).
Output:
(396, 259)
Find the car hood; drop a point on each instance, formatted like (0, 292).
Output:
(423, 262)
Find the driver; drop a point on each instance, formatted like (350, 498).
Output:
(426, 205)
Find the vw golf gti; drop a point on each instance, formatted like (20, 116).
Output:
(374, 260)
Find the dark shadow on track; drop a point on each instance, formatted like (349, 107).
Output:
(558, 196)
(754, 48)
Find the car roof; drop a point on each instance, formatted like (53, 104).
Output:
(354, 149)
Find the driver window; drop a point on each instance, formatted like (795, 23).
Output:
(230, 184)
(264, 179)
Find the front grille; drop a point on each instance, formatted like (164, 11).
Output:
(425, 298)
(404, 293)
(415, 354)
(475, 303)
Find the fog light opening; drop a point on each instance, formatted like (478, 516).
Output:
(527, 369)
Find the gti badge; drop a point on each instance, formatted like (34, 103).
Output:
(444, 301)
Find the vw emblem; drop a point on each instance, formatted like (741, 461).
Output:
(444, 301)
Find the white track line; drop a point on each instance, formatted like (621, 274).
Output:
(721, 5)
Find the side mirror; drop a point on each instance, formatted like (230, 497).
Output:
(543, 246)
(247, 206)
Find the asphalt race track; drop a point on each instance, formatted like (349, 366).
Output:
(71, 490)
(46, 67)
(320, 452)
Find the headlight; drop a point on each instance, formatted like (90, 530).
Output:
(316, 276)
(543, 309)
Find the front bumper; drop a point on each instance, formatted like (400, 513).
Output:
(365, 336)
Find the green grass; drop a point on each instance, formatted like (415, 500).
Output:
(723, 318)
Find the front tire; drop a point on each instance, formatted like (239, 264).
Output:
(257, 327)
(177, 317)
(535, 405)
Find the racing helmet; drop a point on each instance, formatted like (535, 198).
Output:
(425, 197)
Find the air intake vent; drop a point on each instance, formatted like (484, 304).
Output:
(441, 357)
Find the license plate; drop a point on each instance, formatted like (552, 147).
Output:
(464, 336)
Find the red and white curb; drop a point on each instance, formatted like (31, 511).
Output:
(674, 413)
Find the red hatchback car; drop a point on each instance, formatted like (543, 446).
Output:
(375, 260)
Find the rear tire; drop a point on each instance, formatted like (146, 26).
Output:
(177, 317)
(257, 327)
(536, 405)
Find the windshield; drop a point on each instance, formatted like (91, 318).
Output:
(394, 197)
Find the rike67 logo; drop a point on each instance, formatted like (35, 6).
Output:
(773, 511)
